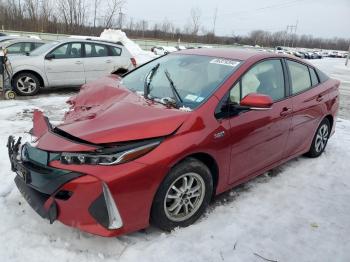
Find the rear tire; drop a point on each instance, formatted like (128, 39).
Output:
(183, 196)
(26, 84)
(320, 140)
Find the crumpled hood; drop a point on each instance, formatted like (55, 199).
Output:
(105, 112)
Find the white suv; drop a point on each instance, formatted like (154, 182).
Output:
(68, 63)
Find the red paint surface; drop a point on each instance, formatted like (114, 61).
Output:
(254, 141)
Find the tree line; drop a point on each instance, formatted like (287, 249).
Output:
(91, 17)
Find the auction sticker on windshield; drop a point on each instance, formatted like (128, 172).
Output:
(227, 62)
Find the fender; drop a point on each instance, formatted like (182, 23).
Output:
(35, 69)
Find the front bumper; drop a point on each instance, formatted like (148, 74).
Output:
(74, 198)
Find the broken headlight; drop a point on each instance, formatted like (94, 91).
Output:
(109, 156)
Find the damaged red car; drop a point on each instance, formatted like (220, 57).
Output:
(157, 144)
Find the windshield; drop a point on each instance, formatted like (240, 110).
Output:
(43, 49)
(187, 78)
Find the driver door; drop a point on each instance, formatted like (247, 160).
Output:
(258, 137)
(65, 66)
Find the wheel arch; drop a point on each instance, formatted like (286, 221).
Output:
(207, 160)
(331, 120)
(40, 78)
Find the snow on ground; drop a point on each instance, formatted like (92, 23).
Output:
(335, 68)
(298, 212)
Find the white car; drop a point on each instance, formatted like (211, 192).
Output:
(68, 63)
(163, 50)
(21, 46)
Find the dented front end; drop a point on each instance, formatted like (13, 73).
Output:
(82, 172)
(58, 192)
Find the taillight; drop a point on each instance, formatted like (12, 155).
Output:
(133, 61)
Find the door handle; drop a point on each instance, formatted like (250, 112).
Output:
(319, 98)
(285, 111)
(78, 62)
(108, 61)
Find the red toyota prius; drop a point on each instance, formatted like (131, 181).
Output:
(157, 144)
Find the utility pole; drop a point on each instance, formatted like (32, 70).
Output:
(295, 32)
(285, 35)
(214, 19)
(347, 58)
(121, 18)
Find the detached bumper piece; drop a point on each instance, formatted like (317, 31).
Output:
(51, 192)
(36, 181)
(37, 200)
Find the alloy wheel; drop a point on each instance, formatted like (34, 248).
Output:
(26, 84)
(321, 138)
(184, 197)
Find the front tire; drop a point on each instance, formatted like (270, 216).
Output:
(26, 84)
(183, 196)
(320, 140)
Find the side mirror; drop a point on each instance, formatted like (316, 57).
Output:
(50, 56)
(256, 101)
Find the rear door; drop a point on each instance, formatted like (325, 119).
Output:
(100, 60)
(308, 97)
(97, 62)
(66, 67)
(258, 138)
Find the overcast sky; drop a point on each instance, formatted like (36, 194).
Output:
(324, 18)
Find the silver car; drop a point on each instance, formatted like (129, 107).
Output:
(21, 46)
(68, 63)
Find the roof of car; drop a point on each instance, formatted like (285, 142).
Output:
(230, 53)
(68, 40)
(20, 40)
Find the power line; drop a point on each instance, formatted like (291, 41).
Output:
(269, 7)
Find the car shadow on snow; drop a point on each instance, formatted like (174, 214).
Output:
(234, 193)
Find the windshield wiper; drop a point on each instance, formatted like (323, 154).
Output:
(179, 101)
(148, 82)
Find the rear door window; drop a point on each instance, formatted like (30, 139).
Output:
(15, 48)
(27, 47)
(300, 77)
(95, 50)
(36, 45)
(115, 51)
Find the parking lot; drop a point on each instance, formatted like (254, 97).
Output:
(298, 212)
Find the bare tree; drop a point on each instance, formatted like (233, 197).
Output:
(112, 9)
(96, 5)
(195, 17)
(73, 13)
(131, 24)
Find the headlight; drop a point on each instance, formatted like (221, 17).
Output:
(108, 158)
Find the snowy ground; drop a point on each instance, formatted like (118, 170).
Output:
(335, 68)
(298, 212)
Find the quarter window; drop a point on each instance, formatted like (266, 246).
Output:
(300, 77)
(314, 78)
(235, 94)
